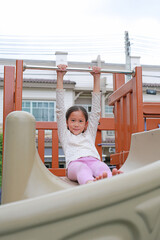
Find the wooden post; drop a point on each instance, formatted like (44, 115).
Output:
(8, 92)
(138, 122)
(19, 85)
(8, 95)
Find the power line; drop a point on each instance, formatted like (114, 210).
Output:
(109, 46)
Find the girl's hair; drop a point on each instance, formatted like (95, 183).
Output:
(77, 108)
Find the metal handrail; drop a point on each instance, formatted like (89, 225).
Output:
(68, 69)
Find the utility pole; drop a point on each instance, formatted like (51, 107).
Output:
(127, 54)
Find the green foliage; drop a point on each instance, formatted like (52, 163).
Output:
(1, 141)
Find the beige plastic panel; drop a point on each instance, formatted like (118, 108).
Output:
(24, 174)
(125, 207)
(145, 149)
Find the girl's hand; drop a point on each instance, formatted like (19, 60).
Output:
(61, 69)
(96, 71)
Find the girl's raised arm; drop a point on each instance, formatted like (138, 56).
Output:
(60, 74)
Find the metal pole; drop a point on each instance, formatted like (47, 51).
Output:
(75, 69)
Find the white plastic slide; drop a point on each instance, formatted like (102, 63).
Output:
(38, 205)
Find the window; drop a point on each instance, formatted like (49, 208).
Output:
(41, 110)
(108, 109)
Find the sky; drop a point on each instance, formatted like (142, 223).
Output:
(92, 22)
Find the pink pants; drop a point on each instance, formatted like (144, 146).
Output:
(87, 168)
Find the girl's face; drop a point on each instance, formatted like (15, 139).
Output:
(77, 122)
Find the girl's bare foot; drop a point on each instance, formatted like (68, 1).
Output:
(115, 171)
(104, 175)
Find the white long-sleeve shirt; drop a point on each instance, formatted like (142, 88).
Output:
(82, 145)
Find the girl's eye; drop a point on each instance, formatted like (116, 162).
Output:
(81, 121)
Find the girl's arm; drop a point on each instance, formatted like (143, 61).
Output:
(60, 74)
(60, 108)
(96, 106)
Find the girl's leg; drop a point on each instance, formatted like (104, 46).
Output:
(78, 171)
(99, 168)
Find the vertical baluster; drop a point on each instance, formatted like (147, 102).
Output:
(128, 120)
(98, 142)
(41, 140)
(55, 162)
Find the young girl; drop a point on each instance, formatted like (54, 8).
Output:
(77, 134)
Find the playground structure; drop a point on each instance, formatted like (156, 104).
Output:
(131, 115)
(92, 211)
(41, 205)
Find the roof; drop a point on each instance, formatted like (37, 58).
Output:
(30, 80)
(151, 84)
(50, 81)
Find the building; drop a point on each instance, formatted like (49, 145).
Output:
(39, 96)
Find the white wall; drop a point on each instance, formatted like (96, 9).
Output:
(151, 98)
(83, 80)
(47, 95)
(150, 77)
(38, 94)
